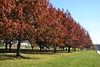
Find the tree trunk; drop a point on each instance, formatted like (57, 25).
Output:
(74, 49)
(81, 49)
(63, 48)
(18, 46)
(68, 49)
(6, 45)
(32, 47)
(54, 48)
(9, 46)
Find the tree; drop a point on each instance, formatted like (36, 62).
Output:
(38, 22)
(22, 16)
(68, 24)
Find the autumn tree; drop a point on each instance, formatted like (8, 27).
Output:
(38, 22)
(69, 28)
(23, 17)
(55, 33)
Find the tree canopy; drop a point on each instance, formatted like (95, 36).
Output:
(39, 22)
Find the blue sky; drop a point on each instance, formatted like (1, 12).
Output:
(86, 12)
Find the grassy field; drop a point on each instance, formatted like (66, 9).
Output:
(74, 59)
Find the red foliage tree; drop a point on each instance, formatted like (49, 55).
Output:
(22, 18)
(39, 22)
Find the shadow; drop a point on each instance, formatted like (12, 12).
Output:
(7, 57)
(29, 51)
(13, 57)
(22, 57)
(49, 53)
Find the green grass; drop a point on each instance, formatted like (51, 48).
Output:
(74, 59)
(8, 47)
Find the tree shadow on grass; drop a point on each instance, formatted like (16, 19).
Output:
(28, 51)
(13, 57)
(7, 57)
(48, 53)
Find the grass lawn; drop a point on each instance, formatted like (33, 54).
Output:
(75, 59)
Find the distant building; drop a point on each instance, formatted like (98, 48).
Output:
(97, 46)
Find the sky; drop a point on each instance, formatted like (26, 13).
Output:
(85, 12)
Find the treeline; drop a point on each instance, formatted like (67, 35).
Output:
(38, 22)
